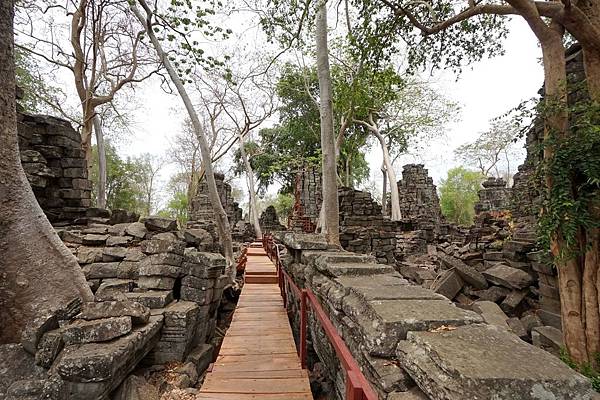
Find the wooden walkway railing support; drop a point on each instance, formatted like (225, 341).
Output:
(357, 386)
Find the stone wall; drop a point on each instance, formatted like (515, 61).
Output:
(411, 342)
(55, 166)
(157, 295)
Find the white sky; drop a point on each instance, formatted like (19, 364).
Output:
(486, 90)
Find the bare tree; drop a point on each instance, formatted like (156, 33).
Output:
(30, 247)
(221, 217)
(107, 53)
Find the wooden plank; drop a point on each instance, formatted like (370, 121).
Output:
(258, 357)
(244, 385)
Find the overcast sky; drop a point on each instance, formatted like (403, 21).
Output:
(484, 91)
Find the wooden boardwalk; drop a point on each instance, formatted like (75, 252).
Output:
(258, 358)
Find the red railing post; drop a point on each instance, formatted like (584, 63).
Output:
(353, 387)
(303, 321)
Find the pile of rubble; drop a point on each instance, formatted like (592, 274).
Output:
(156, 304)
(411, 342)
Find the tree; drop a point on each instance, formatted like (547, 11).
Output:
(107, 54)
(222, 221)
(458, 195)
(475, 30)
(30, 247)
(492, 149)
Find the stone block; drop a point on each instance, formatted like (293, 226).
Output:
(97, 310)
(156, 282)
(487, 362)
(148, 269)
(548, 338)
(159, 224)
(196, 295)
(494, 293)
(517, 327)
(353, 269)
(508, 277)
(513, 300)
(302, 241)
(36, 328)
(468, 274)
(97, 330)
(448, 284)
(199, 283)
(137, 230)
(94, 240)
(136, 388)
(491, 313)
(94, 370)
(48, 348)
(156, 246)
(88, 255)
(110, 254)
(102, 270)
(530, 321)
(152, 299)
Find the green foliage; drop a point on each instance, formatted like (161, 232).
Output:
(586, 370)
(177, 208)
(33, 85)
(124, 181)
(284, 204)
(570, 206)
(458, 195)
(383, 31)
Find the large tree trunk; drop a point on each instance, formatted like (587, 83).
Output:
(570, 271)
(220, 216)
(331, 218)
(389, 169)
(101, 200)
(39, 274)
(251, 186)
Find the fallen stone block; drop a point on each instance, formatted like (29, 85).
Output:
(52, 388)
(102, 270)
(448, 284)
(517, 327)
(171, 271)
(201, 356)
(196, 295)
(88, 255)
(548, 338)
(93, 370)
(491, 313)
(358, 269)
(512, 301)
(48, 348)
(94, 240)
(118, 241)
(17, 364)
(159, 224)
(97, 330)
(509, 277)
(487, 362)
(530, 321)
(494, 293)
(97, 310)
(468, 274)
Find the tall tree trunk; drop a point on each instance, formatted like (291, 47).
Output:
(331, 217)
(251, 188)
(39, 274)
(101, 200)
(570, 273)
(384, 192)
(389, 169)
(221, 221)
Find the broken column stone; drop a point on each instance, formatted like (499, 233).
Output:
(508, 277)
(448, 284)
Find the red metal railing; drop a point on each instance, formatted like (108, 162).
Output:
(357, 386)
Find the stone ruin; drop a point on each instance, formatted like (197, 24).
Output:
(269, 221)
(494, 196)
(55, 166)
(202, 216)
(419, 202)
(412, 342)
